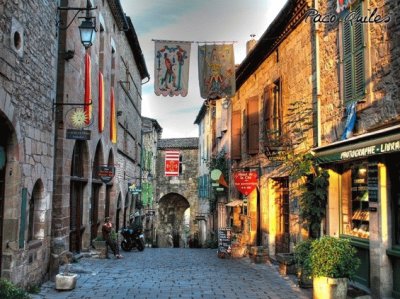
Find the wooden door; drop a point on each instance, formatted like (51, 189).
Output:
(2, 185)
(282, 217)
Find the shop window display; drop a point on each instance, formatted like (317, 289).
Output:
(355, 201)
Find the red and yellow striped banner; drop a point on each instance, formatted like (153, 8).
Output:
(88, 89)
(101, 103)
(113, 118)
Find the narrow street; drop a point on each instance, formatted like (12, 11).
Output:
(176, 273)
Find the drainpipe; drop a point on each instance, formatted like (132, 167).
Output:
(317, 79)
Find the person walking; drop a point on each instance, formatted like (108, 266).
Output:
(106, 231)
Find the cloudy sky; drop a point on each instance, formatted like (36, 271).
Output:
(192, 20)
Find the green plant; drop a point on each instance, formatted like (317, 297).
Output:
(34, 289)
(333, 257)
(302, 257)
(10, 291)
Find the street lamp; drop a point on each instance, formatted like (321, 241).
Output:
(88, 27)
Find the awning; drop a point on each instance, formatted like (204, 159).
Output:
(380, 142)
(235, 203)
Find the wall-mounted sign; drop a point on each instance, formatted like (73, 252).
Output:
(78, 134)
(373, 182)
(245, 181)
(78, 118)
(133, 189)
(106, 173)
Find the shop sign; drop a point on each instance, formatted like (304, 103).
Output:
(373, 182)
(245, 181)
(224, 240)
(78, 134)
(106, 173)
(361, 152)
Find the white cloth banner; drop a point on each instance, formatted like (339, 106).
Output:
(171, 68)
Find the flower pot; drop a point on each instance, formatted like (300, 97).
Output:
(66, 282)
(329, 288)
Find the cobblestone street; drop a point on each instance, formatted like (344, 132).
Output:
(176, 273)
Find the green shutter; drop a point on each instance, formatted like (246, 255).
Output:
(150, 194)
(23, 218)
(353, 58)
(144, 194)
(358, 48)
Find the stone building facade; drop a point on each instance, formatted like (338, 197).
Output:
(82, 198)
(176, 197)
(54, 190)
(27, 91)
(151, 132)
(359, 137)
(272, 81)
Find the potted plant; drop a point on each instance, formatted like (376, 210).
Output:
(66, 280)
(333, 262)
(303, 263)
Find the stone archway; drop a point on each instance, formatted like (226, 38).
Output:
(171, 211)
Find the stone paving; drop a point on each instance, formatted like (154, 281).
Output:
(169, 273)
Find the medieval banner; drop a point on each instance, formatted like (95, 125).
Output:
(172, 163)
(171, 75)
(216, 71)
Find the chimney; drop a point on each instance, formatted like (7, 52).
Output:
(250, 44)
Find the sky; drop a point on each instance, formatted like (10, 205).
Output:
(192, 20)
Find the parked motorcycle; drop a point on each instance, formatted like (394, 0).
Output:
(133, 238)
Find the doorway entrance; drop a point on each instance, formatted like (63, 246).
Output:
(282, 239)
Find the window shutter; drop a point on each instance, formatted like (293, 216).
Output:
(359, 76)
(268, 113)
(347, 62)
(236, 136)
(150, 194)
(253, 125)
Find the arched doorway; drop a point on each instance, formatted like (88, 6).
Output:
(5, 140)
(78, 182)
(171, 211)
(108, 186)
(96, 186)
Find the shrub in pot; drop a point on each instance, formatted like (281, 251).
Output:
(303, 263)
(333, 262)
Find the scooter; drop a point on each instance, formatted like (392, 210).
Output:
(133, 238)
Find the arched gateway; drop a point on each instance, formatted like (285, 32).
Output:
(171, 212)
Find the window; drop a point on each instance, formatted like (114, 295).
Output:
(252, 126)
(353, 56)
(355, 201)
(394, 175)
(236, 152)
(273, 114)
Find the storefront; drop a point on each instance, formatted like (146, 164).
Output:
(364, 203)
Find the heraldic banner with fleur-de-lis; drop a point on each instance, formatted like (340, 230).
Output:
(171, 66)
(216, 71)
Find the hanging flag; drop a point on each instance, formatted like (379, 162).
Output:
(216, 71)
(113, 118)
(88, 89)
(171, 74)
(351, 113)
(172, 163)
(101, 103)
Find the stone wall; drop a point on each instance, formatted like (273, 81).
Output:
(185, 186)
(292, 63)
(28, 58)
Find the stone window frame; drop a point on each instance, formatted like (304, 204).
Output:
(37, 213)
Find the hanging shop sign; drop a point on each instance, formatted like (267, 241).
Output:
(245, 181)
(133, 189)
(106, 173)
(78, 134)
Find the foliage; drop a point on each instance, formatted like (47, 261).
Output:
(302, 166)
(10, 291)
(34, 289)
(219, 162)
(302, 256)
(333, 257)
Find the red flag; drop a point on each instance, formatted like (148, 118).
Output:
(88, 89)
(172, 163)
(101, 103)
(113, 119)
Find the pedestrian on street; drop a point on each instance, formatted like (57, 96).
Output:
(106, 230)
